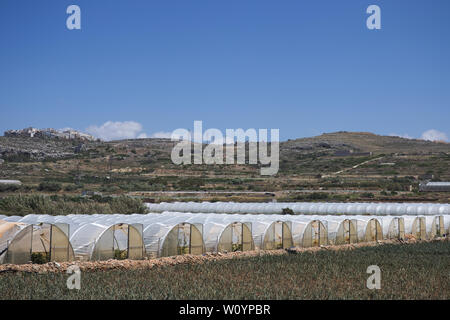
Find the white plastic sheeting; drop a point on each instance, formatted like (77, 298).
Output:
(416, 226)
(228, 237)
(267, 232)
(306, 208)
(393, 227)
(84, 239)
(368, 228)
(171, 233)
(341, 230)
(8, 230)
(22, 242)
(173, 237)
(435, 226)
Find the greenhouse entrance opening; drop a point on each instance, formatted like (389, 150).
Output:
(40, 243)
(120, 241)
(278, 236)
(278, 240)
(128, 242)
(374, 232)
(438, 227)
(346, 232)
(237, 236)
(396, 229)
(166, 240)
(419, 228)
(184, 239)
(315, 234)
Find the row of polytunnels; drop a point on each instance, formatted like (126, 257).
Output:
(305, 208)
(43, 238)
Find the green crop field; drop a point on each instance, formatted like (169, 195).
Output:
(409, 271)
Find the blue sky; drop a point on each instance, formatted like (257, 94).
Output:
(305, 67)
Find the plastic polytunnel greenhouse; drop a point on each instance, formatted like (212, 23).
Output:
(163, 240)
(416, 226)
(270, 235)
(341, 230)
(308, 232)
(273, 235)
(135, 236)
(221, 233)
(368, 228)
(305, 208)
(393, 227)
(447, 224)
(435, 226)
(42, 242)
(228, 237)
(95, 241)
(305, 230)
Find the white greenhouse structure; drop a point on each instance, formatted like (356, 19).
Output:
(341, 230)
(393, 227)
(95, 241)
(41, 242)
(212, 227)
(416, 226)
(176, 238)
(305, 208)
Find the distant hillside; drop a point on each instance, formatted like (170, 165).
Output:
(356, 165)
(19, 149)
(38, 148)
(363, 142)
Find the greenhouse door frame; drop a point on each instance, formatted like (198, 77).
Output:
(376, 230)
(48, 259)
(277, 223)
(48, 255)
(196, 228)
(240, 236)
(316, 234)
(439, 225)
(115, 240)
(349, 232)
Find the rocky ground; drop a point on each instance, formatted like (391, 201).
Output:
(38, 149)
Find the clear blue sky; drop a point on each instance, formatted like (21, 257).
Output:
(305, 67)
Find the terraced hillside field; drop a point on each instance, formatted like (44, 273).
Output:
(343, 166)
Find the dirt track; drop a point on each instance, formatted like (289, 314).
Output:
(182, 259)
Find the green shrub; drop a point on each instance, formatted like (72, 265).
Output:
(236, 247)
(72, 187)
(287, 211)
(127, 205)
(9, 187)
(40, 257)
(49, 186)
(120, 254)
(367, 195)
(61, 205)
(318, 196)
